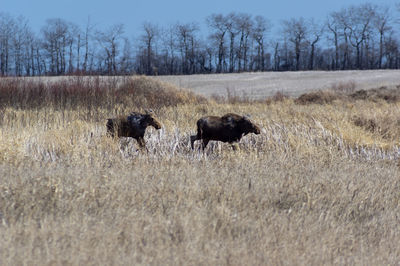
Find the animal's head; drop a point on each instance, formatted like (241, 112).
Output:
(248, 126)
(151, 120)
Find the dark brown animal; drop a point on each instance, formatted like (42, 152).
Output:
(133, 126)
(228, 128)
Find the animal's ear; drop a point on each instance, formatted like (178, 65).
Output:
(149, 111)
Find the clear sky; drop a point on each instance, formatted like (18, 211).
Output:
(132, 13)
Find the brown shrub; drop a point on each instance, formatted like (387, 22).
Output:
(92, 93)
(277, 97)
(146, 92)
(369, 124)
(328, 96)
(317, 97)
(382, 93)
(359, 95)
(386, 125)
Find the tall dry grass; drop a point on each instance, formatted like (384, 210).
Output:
(317, 186)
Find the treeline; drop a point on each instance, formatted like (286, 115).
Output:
(356, 37)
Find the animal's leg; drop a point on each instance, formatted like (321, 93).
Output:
(205, 142)
(141, 142)
(199, 136)
(110, 132)
(110, 128)
(192, 140)
(235, 146)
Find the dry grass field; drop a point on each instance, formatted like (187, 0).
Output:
(319, 186)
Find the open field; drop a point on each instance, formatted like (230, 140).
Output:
(261, 85)
(319, 186)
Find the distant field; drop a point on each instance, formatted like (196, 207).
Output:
(260, 85)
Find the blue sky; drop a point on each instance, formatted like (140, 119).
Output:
(133, 13)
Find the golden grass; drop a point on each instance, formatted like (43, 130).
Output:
(316, 187)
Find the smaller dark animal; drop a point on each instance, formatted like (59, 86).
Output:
(228, 128)
(133, 125)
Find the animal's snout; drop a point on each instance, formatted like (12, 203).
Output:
(157, 125)
(257, 130)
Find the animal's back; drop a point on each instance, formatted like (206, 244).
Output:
(217, 128)
(118, 126)
(231, 117)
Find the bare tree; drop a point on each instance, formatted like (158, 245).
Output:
(218, 23)
(392, 51)
(169, 44)
(210, 52)
(333, 24)
(277, 58)
(109, 40)
(73, 43)
(314, 36)
(360, 37)
(186, 36)
(20, 42)
(126, 62)
(55, 43)
(358, 21)
(244, 24)
(296, 30)
(151, 31)
(29, 62)
(233, 31)
(202, 58)
(381, 23)
(261, 27)
(7, 28)
(86, 39)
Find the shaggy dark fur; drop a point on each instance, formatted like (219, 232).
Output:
(228, 128)
(133, 126)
